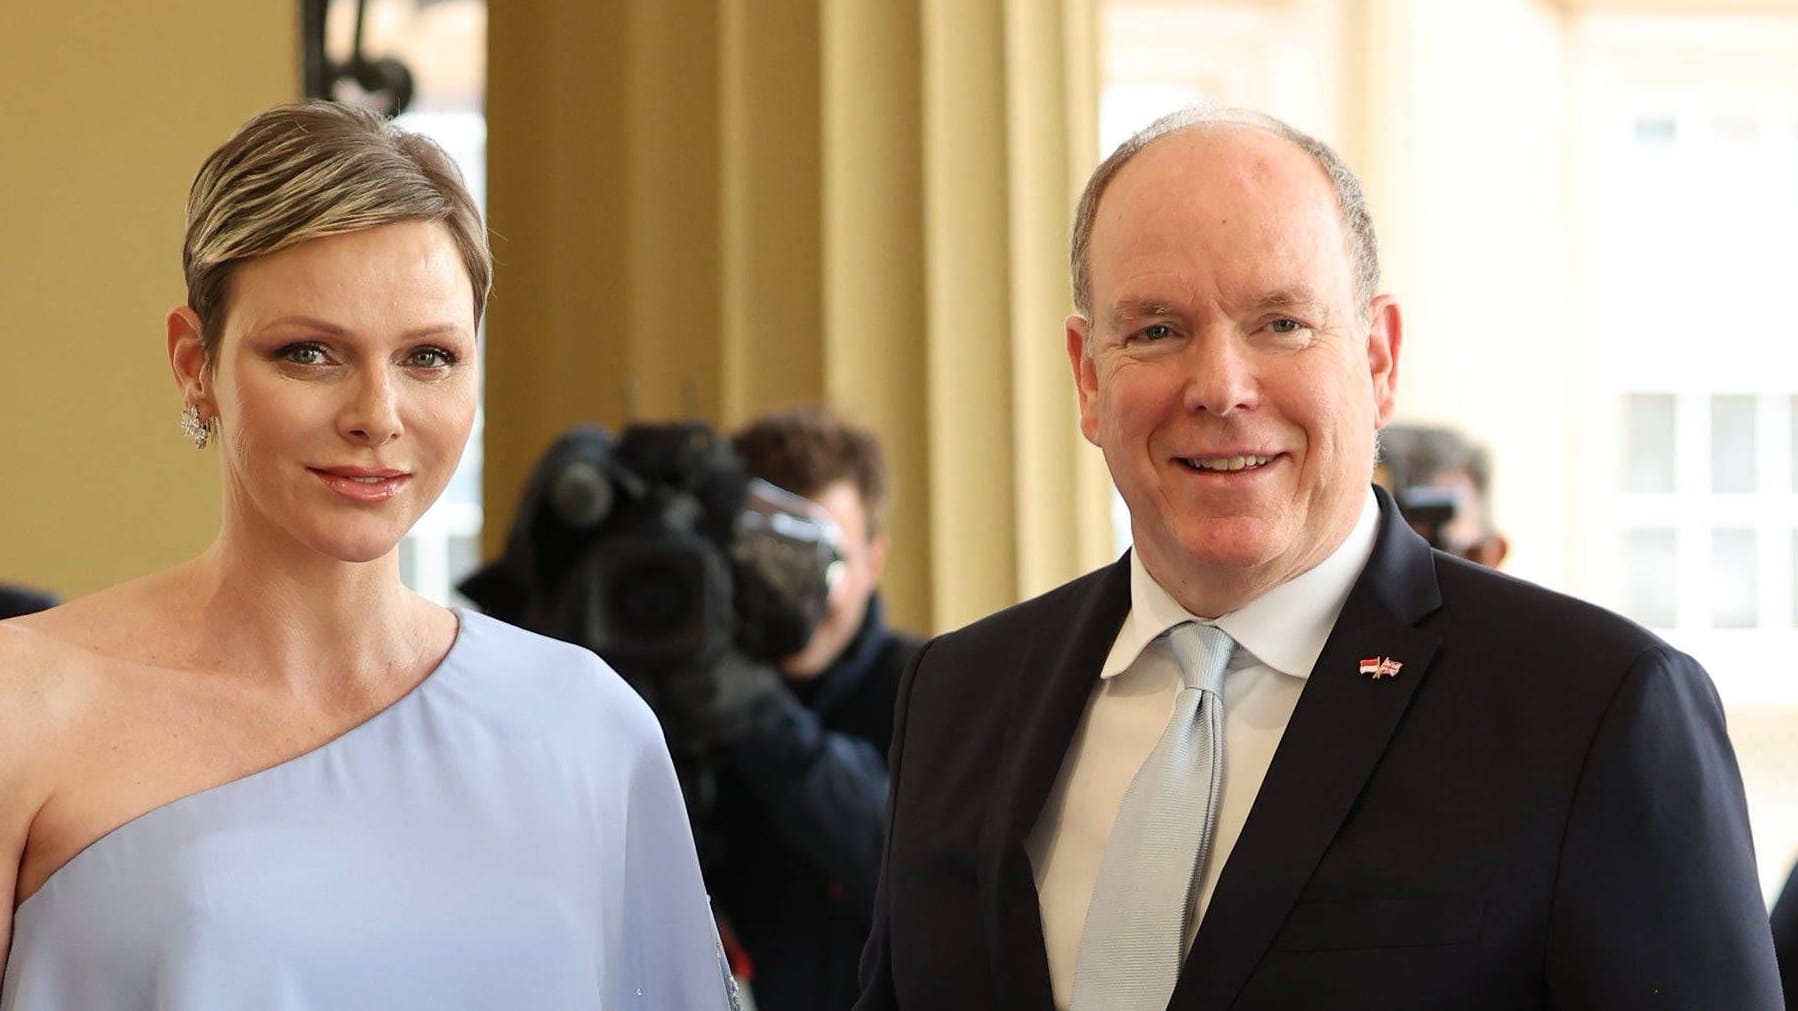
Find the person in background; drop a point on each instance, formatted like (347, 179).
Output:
(1443, 485)
(1785, 938)
(16, 600)
(274, 777)
(1283, 754)
(802, 788)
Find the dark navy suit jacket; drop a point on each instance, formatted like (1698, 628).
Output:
(1540, 810)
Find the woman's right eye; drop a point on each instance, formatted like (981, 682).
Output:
(303, 354)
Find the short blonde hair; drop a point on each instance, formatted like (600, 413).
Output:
(308, 170)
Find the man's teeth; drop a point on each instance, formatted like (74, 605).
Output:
(1227, 462)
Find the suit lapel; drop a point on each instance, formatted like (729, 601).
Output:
(1054, 683)
(1333, 742)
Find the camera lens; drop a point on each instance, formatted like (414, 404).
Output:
(653, 600)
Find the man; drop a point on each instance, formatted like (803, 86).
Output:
(1785, 937)
(801, 804)
(1442, 483)
(1439, 787)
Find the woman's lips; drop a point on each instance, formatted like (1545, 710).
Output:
(360, 485)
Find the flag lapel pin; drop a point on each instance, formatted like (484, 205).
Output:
(1380, 667)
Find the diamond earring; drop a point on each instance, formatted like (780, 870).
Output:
(192, 427)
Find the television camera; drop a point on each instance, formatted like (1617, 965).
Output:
(660, 553)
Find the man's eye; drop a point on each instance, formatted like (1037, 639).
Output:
(1286, 326)
(1158, 331)
(431, 358)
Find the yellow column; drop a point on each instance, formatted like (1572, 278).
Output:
(1049, 99)
(1092, 523)
(873, 269)
(675, 320)
(772, 237)
(1381, 56)
(968, 298)
(557, 347)
(603, 198)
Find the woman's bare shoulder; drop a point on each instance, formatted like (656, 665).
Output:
(52, 659)
(43, 682)
(120, 621)
(29, 652)
(41, 666)
(58, 670)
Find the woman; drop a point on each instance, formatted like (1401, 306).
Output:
(273, 777)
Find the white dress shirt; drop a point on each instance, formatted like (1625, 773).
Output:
(1279, 636)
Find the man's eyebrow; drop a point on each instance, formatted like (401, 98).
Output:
(1136, 308)
(1285, 298)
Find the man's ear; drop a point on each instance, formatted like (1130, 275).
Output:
(187, 357)
(1086, 376)
(1490, 552)
(1385, 333)
(877, 558)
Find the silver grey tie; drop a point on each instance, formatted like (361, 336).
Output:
(1134, 938)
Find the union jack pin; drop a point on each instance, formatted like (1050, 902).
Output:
(1380, 667)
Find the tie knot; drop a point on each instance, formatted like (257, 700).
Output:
(1203, 652)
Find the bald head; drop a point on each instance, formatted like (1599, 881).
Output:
(1363, 250)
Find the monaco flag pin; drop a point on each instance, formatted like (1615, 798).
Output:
(1380, 667)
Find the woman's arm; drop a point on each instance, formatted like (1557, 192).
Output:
(17, 805)
(26, 690)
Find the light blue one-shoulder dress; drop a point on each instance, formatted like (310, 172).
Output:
(508, 835)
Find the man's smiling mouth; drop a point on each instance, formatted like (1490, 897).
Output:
(1226, 463)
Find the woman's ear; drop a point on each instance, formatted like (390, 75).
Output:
(187, 357)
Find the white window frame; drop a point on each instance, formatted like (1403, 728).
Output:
(1688, 69)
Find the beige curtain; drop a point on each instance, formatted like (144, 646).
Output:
(720, 207)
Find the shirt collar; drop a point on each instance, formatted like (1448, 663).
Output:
(1284, 628)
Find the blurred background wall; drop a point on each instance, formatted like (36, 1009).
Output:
(106, 110)
(721, 208)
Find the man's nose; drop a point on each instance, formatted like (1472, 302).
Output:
(1220, 374)
(372, 415)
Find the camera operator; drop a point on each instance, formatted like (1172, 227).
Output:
(801, 790)
(1442, 483)
(733, 587)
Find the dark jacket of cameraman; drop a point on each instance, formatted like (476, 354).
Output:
(800, 820)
